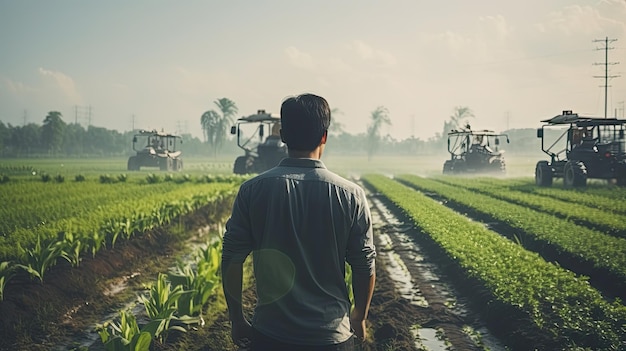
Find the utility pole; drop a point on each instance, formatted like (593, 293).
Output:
(25, 117)
(132, 122)
(606, 64)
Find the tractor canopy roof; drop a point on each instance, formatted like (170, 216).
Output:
(567, 117)
(461, 132)
(154, 132)
(260, 116)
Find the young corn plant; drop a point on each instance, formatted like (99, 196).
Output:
(161, 305)
(71, 247)
(96, 241)
(125, 335)
(39, 259)
(7, 271)
(200, 282)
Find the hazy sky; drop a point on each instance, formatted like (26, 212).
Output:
(513, 63)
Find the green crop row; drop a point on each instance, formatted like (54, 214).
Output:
(597, 194)
(598, 219)
(34, 204)
(601, 200)
(565, 306)
(36, 250)
(603, 251)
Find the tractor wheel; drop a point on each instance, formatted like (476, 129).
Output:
(133, 163)
(459, 166)
(240, 165)
(253, 165)
(178, 164)
(574, 174)
(543, 174)
(621, 175)
(498, 166)
(165, 164)
(447, 167)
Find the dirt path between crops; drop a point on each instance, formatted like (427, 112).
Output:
(414, 307)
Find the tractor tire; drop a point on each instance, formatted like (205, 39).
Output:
(178, 164)
(543, 174)
(133, 163)
(620, 180)
(574, 174)
(498, 166)
(240, 165)
(165, 164)
(459, 166)
(447, 167)
(253, 165)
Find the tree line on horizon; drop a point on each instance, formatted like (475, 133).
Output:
(56, 138)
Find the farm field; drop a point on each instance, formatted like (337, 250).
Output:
(465, 263)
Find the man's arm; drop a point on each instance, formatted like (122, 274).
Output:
(235, 249)
(232, 280)
(361, 257)
(363, 289)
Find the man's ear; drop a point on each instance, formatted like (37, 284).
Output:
(324, 137)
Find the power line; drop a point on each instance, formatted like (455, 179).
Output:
(82, 113)
(606, 64)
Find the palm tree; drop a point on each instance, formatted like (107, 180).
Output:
(378, 117)
(53, 131)
(336, 127)
(460, 116)
(215, 126)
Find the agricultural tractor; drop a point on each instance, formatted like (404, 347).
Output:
(156, 149)
(586, 147)
(471, 152)
(261, 153)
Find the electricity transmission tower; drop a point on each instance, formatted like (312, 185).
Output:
(606, 64)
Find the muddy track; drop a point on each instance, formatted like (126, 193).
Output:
(423, 311)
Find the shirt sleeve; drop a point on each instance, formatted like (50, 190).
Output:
(237, 241)
(361, 251)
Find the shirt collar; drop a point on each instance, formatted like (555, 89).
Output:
(302, 162)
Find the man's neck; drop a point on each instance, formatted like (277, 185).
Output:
(314, 154)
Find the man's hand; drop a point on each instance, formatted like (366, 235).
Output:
(240, 331)
(358, 325)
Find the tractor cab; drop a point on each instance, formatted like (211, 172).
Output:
(475, 152)
(259, 136)
(156, 149)
(580, 148)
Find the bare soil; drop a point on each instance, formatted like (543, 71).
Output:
(55, 315)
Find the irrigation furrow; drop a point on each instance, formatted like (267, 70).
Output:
(441, 315)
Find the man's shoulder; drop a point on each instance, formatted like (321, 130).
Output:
(342, 182)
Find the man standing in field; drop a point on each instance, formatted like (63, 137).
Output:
(302, 223)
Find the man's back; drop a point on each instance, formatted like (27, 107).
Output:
(304, 221)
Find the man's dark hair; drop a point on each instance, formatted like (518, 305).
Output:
(304, 120)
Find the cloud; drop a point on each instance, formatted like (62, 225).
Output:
(17, 87)
(299, 59)
(368, 53)
(55, 80)
(495, 27)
